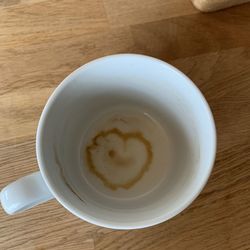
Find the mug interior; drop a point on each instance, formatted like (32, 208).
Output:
(145, 84)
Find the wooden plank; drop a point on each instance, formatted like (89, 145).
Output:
(130, 12)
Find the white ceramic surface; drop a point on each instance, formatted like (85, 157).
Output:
(119, 80)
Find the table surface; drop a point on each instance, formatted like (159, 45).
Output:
(42, 41)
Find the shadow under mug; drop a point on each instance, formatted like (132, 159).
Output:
(83, 95)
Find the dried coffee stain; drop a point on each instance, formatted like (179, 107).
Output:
(118, 159)
(58, 162)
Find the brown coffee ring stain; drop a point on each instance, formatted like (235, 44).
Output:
(125, 137)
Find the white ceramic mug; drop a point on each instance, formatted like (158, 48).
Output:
(88, 91)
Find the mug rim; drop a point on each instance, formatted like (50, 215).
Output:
(60, 198)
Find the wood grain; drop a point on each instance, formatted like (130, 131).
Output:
(41, 41)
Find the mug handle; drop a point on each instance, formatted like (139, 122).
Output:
(25, 193)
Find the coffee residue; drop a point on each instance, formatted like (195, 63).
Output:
(118, 159)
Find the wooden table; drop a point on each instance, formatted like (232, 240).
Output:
(42, 41)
